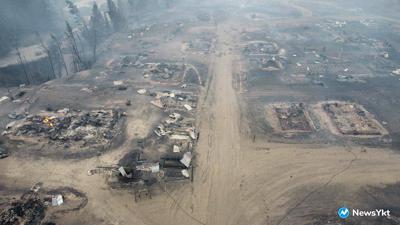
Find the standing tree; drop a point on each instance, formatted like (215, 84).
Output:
(97, 28)
(48, 53)
(107, 23)
(77, 21)
(24, 17)
(72, 8)
(122, 9)
(75, 14)
(115, 15)
(97, 18)
(61, 55)
(78, 63)
(22, 63)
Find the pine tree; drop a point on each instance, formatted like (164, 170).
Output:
(97, 28)
(73, 9)
(61, 55)
(107, 23)
(78, 63)
(97, 20)
(115, 15)
(49, 56)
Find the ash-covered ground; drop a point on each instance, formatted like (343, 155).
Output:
(210, 112)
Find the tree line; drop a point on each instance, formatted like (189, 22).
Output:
(83, 39)
(77, 47)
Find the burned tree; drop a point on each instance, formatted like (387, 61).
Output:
(97, 28)
(107, 24)
(49, 57)
(22, 63)
(5, 36)
(75, 14)
(79, 23)
(61, 55)
(78, 62)
(116, 16)
(122, 7)
(97, 20)
(24, 17)
(72, 8)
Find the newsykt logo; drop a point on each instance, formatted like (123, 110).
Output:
(344, 212)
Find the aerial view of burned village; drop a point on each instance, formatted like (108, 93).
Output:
(213, 112)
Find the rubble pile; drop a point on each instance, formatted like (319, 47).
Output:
(352, 119)
(272, 64)
(349, 78)
(70, 127)
(3, 153)
(141, 31)
(31, 208)
(135, 61)
(168, 151)
(163, 71)
(312, 69)
(171, 101)
(24, 211)
(177, 132)
(261, 48)
(293, 117)
(176, 127)
(176, 168)
(203, 43)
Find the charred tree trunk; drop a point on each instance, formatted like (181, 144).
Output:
(78, 62)
(21, 62)
(58, 44)
(94, 44)
(48, 53)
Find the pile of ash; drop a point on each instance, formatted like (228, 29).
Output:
(24, 211)
(69, 127)
(36, 206)
(162, 70)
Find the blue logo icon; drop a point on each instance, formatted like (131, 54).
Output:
(343, 212)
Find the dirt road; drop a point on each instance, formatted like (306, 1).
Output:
(219, 151)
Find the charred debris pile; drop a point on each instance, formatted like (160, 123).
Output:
(353, 119)
(166, 154)
(38, 206)
(293, 117)
(68, 128)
